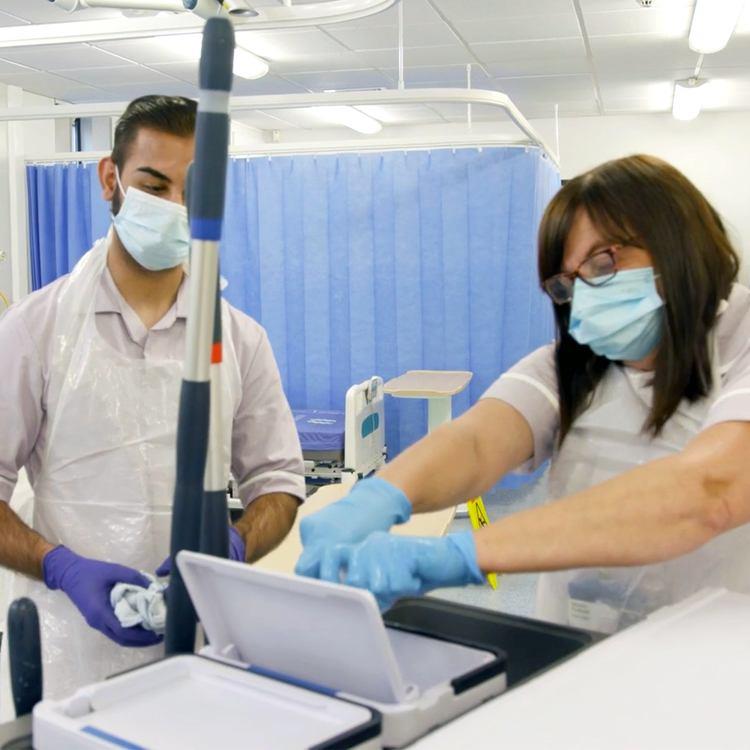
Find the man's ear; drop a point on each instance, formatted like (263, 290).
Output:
(107, 178)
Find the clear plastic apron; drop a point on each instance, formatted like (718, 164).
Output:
(606, 440)
(106, 483)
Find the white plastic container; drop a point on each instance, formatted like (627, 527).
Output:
(193, 702)
(332, 639)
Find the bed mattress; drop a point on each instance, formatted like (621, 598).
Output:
(320, 430)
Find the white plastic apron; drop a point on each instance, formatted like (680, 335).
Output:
(607, 440)
(106, 483)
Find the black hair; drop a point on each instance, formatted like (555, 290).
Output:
(166, 114)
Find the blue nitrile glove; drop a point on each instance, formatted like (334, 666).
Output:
(372, 505)
(236, 552)
(393, 566)
(88, 584)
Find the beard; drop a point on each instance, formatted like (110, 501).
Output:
(116, 202)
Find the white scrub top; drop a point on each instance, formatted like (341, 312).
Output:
(607, 439)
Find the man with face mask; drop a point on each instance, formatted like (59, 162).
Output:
(642, 407)
(88, 404)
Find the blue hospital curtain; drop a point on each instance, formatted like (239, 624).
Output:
(381, 263)
(359, 264)
(66, 215)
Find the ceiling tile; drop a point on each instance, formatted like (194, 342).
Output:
(515, 68)
(466, 10)
(143, 51)
(8, 20)
(551, 26)
(131, 91)
(266, 85)
(638, 53)
(450, 55)
(321, 63)
(546, 88)
(282, 45)
(341, 79)
(39, 12)
(448, 75)
(60, 56)
(673, 22)
(592, 6)
(9, 68)
(416, 12)
(121, 75)
(185, 71)
(557, 51)
(735, 55)
(386, 37)
(46, 84)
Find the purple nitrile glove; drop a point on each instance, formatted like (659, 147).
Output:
(236, 552)
(88, 584)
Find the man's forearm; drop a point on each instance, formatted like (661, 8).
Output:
(21, 548)
(266, 522)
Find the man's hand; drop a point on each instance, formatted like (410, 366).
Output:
(88, 584)
(236, 552)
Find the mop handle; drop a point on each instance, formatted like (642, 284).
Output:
(215, 521)
(25, 655)
(208, 176)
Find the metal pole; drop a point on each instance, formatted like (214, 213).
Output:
(206, 199)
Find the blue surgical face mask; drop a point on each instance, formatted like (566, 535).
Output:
(620, 320)
(153, 230)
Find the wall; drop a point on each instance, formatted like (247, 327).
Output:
(712, 151)
(15, 140)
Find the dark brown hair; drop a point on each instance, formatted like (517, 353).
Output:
(642, 201)
(166, 114)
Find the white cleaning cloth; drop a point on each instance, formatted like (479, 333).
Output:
(135, 605)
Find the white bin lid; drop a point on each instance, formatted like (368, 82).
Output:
(311, 631)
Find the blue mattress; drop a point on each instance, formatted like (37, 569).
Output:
(320, 430)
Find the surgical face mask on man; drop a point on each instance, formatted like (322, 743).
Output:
(153, 230)
(622, 319)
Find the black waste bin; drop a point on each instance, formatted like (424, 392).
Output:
(531, 645)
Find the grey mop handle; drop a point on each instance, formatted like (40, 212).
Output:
(206, 208)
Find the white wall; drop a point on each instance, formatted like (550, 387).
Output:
(713, 151)
(17, 139)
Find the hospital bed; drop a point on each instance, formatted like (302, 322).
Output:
(344, 446)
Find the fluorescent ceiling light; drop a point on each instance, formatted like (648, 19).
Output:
(350, 117)
(248, 65)
(713, 24)
(188, 47)
(688, 98)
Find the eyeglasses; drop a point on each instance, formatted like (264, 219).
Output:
(596, 270)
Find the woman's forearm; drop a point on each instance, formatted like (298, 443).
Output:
(463, 458)
(652, 513)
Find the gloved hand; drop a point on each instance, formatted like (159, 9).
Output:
(88, 584)
(236, 552)
(372, 505)
(394, 566)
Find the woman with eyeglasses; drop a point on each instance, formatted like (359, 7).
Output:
(642, 406)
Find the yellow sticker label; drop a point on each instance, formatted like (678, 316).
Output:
(479, 518)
